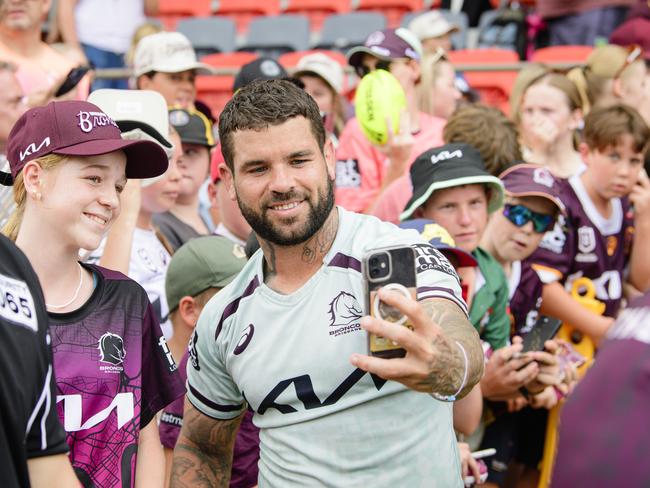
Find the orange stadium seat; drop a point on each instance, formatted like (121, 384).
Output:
(317, 10)
(392, 9)
(216, 90)
(493, 86)
(243, 11)
(562, 54)
(171, 11)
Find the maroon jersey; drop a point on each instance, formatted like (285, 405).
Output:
(586, 244)
(114, 372)
(247, 443)
(603, 438)
(525, 297)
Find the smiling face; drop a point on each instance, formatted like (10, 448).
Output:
(81, 198)
(282, 180)
(511, 243)
(462, 210)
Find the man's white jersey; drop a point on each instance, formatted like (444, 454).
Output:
(324, 422)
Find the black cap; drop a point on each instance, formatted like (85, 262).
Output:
(448, 166)
(260, 69)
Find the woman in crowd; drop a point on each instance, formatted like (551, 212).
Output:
(437, 93)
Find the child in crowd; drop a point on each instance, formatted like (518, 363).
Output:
(139, 247)
(531, 208)
(183, 222)
(485, 128)
(198, 270)
(323, 80)
(114, 372)
(225, 210)
(548, 111)
(452, 187)
(606, 206)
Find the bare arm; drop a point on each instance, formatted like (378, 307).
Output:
(468, 411)
(52, 472)
(150, 464)
(65, 20)
(434, 362)
(119, 241)
(558, 303)
(639, 262)
(204, 450)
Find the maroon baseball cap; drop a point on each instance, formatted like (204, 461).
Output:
(387, 44)
(634, 31)
(531, 180)
(77, 128)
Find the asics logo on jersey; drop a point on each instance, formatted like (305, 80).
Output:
(305, 392)
(91, 120)
(111, 349)
(33, 148)
(344, 312)
(445, 155)
(191, 351)
(245, 340)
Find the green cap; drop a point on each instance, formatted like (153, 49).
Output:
(202, 263)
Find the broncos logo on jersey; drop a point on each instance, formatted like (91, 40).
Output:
(111, 349)
(344, 310)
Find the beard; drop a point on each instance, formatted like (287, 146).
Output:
(275, 233)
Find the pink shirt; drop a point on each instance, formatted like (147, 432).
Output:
(361, 167)
(392, 201)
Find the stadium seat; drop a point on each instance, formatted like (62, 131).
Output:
(243, 11)
(216, 90)
(562, 54)
(171, 11)
(317, 10)
(209, 35)
(272, 36)
(494, 87)
(342, 31)
(394, 10)
(459, 39)
(290, 60)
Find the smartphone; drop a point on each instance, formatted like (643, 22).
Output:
(72, 79)
(544, 329)
(392, 268)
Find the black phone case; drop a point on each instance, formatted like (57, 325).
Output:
(544, 329)
(402, 272)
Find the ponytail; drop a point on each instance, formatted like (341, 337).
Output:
(579, 79)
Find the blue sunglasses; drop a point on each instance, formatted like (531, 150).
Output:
(521, 215)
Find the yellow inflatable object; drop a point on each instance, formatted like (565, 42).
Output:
(379, 96)
(584, 293)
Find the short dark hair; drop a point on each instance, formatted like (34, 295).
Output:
(605, 126)
(489, 131)
(265, 103)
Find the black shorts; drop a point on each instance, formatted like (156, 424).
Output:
(517, 437)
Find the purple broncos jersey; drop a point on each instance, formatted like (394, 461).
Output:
(586, 244)
(525, 297)
(247, 443)
(603, 438)
(114, 372)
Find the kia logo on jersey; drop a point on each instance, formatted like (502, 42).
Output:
(111, 349)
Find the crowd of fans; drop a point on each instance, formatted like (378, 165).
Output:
(531, 209)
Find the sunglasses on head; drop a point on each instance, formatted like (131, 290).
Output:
(634, 52)
(520, 215)
(362, 70)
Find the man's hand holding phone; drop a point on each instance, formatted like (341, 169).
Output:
(432, 363)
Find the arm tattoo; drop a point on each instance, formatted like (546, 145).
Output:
(449, 364)
(203, 453)
(321, 242)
